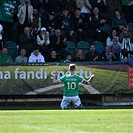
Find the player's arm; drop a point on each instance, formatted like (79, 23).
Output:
(55, 79)
(87, 82)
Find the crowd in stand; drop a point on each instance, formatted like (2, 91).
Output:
(41, 29)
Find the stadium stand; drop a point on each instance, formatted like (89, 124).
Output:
(71, 48)
(99, 46)
(130, 27)
(84, 46)
(106, 28)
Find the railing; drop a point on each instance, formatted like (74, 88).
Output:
(62, 63)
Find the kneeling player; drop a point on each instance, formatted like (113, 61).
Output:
(71, 88)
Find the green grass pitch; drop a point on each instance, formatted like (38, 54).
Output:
(67, 121)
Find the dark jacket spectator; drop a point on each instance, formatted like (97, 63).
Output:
(64, 21)
(93, 55)
(118, 21)
(108, 55)
(50, 23)
(93, 27)
(80, 57)
(77, 32)
(53, 57)
(27, 41)
(58, 42)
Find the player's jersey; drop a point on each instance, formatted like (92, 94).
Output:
(71, 84)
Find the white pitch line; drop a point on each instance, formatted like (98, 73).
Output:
(89, 88)
(37, 91)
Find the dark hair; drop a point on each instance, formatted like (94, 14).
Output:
(124, 52)
(68, 54)
(78, 9)
(117, 10)
(111, 33)
(52, 49)
(92, 44)
(36, 48)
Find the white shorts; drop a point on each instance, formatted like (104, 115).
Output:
(72, 99)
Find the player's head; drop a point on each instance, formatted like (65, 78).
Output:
(72, 67)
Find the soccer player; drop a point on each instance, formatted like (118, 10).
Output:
(71, 87)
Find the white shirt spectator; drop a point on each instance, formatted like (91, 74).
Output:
(38, 58)
(43, 37)
(110, 41)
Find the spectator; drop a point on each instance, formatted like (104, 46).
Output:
(125, 35)
(102, 5)
(107, 55)
(40, 6)
(4, 57)
(7, 12)
(36, 24)
(77, 32)
(126, 43)
(118, 21)
(93, 55)
(43, 41)
(113, 42)
(93, 27)
(110, 39)
(126, 54)
(21, 57)
(116, 47)
(79, 56)
(68, 58)
(64, 22)
(85, 7)
(25, 16)
(50, 23)
(53, 57)
(27, 41)
(70, 4)
(36, 56)
(58, 42)
(112, 5)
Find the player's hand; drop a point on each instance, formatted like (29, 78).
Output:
(91, 77)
